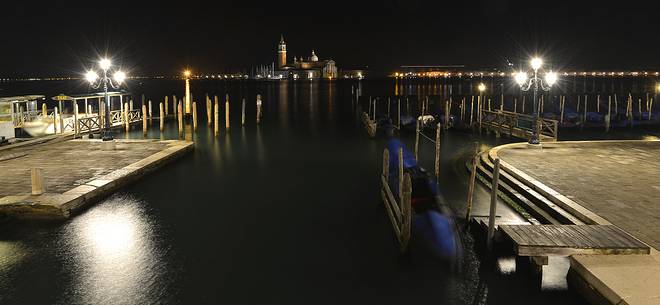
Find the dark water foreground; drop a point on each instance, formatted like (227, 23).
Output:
(288, 212)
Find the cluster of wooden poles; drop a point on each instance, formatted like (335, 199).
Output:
(483, 102)
(212, 113)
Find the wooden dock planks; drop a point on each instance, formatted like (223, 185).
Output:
(561, 240)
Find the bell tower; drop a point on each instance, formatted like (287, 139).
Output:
(281, 53)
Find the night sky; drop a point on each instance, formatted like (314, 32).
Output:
(161, 39)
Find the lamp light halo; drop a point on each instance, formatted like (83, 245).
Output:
(536, 63)
(105, 63)
(91, 76)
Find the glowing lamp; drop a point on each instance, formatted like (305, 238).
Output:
(481, 87)
(91, 76)
(119, 76)
(105, 64)
(521, 78)
(536, 63)
(551, 78)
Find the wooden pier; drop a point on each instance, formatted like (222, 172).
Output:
(565, 240)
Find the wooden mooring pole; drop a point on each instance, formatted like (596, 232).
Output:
(227, 111)
(151, 113)
(417, 131)
(179, 112)
(209, 121)
(144, 120)
(216, 126)
(493, 202)
(126, 123)
(259, 113)
(243, 112)
(473, 177)
(167, 106)
(437, 152)
(194, 114)
(162, 117)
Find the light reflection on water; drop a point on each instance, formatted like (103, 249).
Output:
(112, 255)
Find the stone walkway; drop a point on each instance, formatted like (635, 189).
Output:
(619, 181)
(67, 164)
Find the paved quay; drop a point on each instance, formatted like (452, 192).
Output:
(611, 182)
(616, 180)
(76, 172)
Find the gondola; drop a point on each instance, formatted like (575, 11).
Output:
(432, 222)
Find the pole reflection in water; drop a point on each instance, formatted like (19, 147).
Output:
(113, 259)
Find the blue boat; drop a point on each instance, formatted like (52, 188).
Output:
(432, 222)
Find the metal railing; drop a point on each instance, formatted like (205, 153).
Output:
(518, 124)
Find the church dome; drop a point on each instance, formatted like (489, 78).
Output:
(313, 57)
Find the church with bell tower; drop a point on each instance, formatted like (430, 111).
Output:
(303, 68)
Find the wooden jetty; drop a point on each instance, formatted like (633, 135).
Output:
(564, 240)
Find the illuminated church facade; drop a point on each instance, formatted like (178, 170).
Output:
(304, 68)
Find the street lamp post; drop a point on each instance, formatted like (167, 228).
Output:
(535, 83)
(105, 81)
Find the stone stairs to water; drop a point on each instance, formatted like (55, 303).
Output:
(522, 197)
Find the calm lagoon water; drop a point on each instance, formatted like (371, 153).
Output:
(288, 212)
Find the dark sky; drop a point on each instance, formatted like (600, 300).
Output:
(152, 38)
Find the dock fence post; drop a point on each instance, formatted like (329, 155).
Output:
(493, 202)
(44, 110)
(37, 178)
(473, 176)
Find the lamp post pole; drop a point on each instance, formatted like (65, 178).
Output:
(107, 133)
(535, 131)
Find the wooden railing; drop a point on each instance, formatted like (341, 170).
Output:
(89, 124)
(518, 124)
